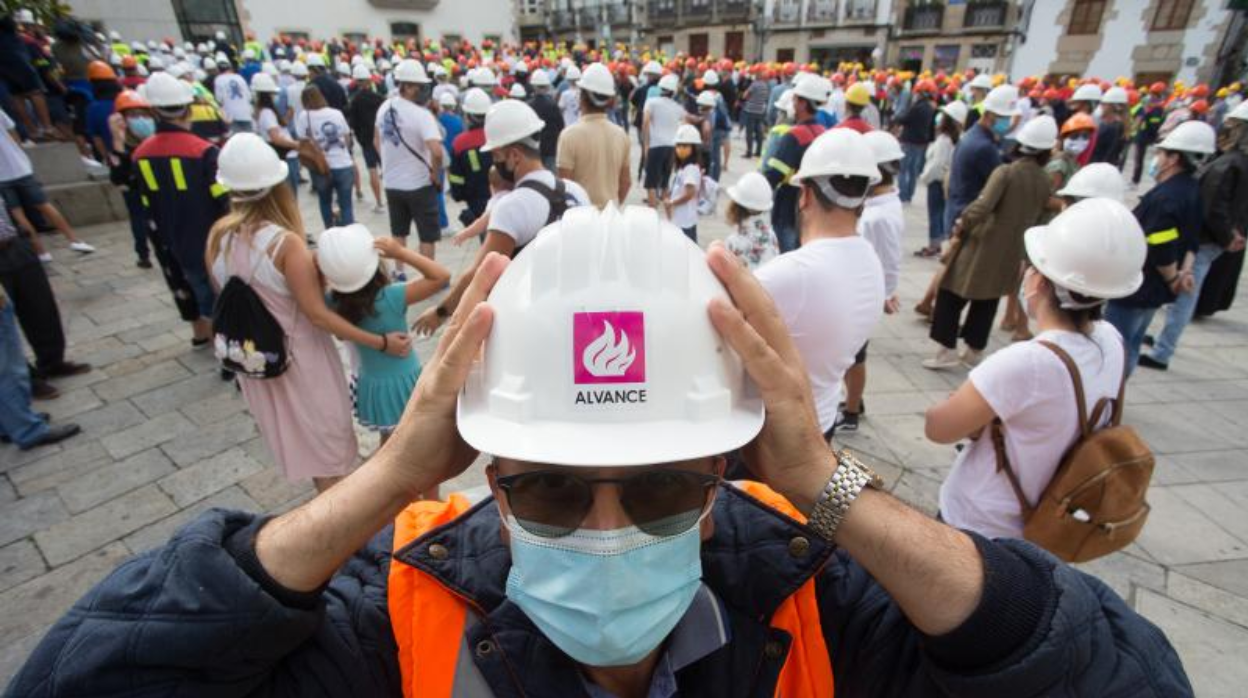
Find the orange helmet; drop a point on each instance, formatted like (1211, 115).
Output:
(1157, 88)
(129, 99)
(1200, 91)
(790, 68)
(128, 62)
(99, 70)
(1078, 122)
(925, 86)
(1200, 106)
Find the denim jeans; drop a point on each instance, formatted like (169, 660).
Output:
(139, 224)
(1179, 313)
(787, 237)
(753, 124)
(1132, 324)
(717, 153)
(293, 178)
(936, 232)
(17, 420)
(201, 287)
(915, 156)
(340, 181)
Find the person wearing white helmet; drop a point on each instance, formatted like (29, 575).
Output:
(594, 152)
(1100, 180)
(538, 197)
(681, 201)
(752, 240)
(1224, 187)
(1110, 144)
(301, 408)
(251, 64)
(294, 91)
(833, 264)
(1022, 399)
(273, 127)
(936, 163)
(986, 263)
(362, 106)
(333, 91)
(234, 95)
(569, 96)
(808, 93)
(661, 117)
(547, 109)
(1182, 198)
(410, 143)
(979, 152)
(444, 86)
(469, 171)
(517, 91)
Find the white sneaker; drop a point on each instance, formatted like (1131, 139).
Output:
(46, 258)
(81, 247)
(945, 358)
(379, 208)
(971, 357)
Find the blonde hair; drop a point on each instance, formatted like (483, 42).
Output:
(277, 207)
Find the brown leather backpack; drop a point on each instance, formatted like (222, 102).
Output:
(1095, 503)
(311, 155)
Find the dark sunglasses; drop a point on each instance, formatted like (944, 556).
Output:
(553, 503)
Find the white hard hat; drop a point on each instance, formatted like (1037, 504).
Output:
(1039, 133)
(248, 54)
(220, 35)
(439, 70)
(841, 152)
(141, 70)
(597, 79)
(539, 79)
(383, 64)
(342, 69)
(176, 70)
(410, 70)
(361, 72)
(785, 102)
(221, 57)
(814, 88)
(957, 111)
(1095, 248)
(477, 102)
(447, 101)
(519, 68)
(247, 163)
(199, 75)
(299, 69)
(572, 73)
(508, 122)
(223, 63)
(981, 82)
(316, 60)
(1099, 180)
(279, 52)
(688, 134)
(1114, 95)
(752, 192)
(24, 16)
(210, 63)
(1002, 101)
(1087, 93)
(1240, 112)
(707, 98)
(884, 146)
(263, 82)
(652, 68)
(710, 78)
(164, 90)
(1193, 136)
(283, 66)
(517, 91)
(602, 352)
(267, 68)
(669, 83)
(347, 258)
(483, 77)
(156, 63)
(179, 52)
(114, 36)
(115, 60)
(431, 67)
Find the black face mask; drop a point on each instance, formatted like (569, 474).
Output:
(505, 171)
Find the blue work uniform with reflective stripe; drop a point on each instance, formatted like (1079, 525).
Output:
(1171, 216)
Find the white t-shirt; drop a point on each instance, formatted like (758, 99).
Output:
(14, 163)
(686, 215)
(234, 96)
(830, 292)
(1028, 387)
(401, 121)
(883, 224)
(267, 121)
(521, 213)
(570, 106)
(294, 96)
(329, 129)
(666, 115)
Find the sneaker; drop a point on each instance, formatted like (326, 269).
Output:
(82, 247)
(144, 264)
(945, 358)
(53, 435)
(847, 421)
(359, 195)
(43, 390)
(46, 258)
(379, 208)
(1149, 362)
(972, 357)
(198, 343)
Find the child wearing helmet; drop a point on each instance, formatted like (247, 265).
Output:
(752, 239)
(1076, 138)
(131, 123)
(681, 202)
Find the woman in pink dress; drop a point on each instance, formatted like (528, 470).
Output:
(304, 414)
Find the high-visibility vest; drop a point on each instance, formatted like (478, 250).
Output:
(428, 619)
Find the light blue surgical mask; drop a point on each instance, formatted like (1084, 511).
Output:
(1154, 167)
(1001, 126)
(142, 126)
(606, 598)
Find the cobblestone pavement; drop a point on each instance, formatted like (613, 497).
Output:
(165, 439)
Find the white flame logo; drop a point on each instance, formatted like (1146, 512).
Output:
(604, 357)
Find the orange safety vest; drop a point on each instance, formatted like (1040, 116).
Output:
(428, 619)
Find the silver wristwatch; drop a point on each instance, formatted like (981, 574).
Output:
(842, 489)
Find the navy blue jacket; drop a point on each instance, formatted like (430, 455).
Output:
(975, 157)
(200, 617)
(1171, 215)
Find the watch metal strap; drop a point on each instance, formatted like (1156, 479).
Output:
(842, 489)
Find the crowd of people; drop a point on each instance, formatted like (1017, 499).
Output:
(1026, 185)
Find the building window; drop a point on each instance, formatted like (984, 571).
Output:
(493, 38)
(984, 51)
(946, 57)
(357, 38)
(784, 55)
(1086, 17)
(859, 9)
(451, 41)
(405, 30)
(1172, 14)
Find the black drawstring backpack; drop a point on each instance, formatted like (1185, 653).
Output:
(247, 339)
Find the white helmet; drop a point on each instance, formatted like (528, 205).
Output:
(166, 91)
(1099, 180)
(597, 79)
(1240, 112)
(508, 122)
(785, 103)
(710, 78)
(209, 63)
(383, 65)
(268, 68)
(1002, 101)
(688, 134)
(342, 69)
(220, 35)
(316, 60)
(517, 91)
(1087, 93)
(841, 152)
(484, 77)
(1095, 248)
(957, 111)
(299, 69)
(410, 70)
(439, 70)
(156, 63)
(114, 36)
(669, 83)
(176, 70)
(447, 101)
(249, 54)
(752, 192)
(572, 74)
(884, 146)
(263, 82)
(1193, 136)
(1115, 95)
(652, 68)
(476, 102)
(811, 87)
(361, 72)
(247, 164)
(1038, 134)
(981, 82)
(539, 79)
(707, 98)
(595, 345)
(347, 257)
(24, 16)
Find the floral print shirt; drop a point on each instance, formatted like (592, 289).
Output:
(754, 242)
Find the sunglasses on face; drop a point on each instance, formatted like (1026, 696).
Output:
(553, 503)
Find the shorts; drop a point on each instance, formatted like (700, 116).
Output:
(419, 206)
(20, 76)
(23, 192)
(372, 159)
(861, 357)
(659, 166)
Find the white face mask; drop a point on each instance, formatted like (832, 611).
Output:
(1075, 146)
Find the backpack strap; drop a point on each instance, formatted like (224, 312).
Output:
(1076, 379)
(997, 429)
(557, 197)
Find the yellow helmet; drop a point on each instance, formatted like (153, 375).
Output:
(1222, 93)
(858, 95)
(1236, 87)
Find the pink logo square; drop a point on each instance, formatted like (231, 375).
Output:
(609, 347)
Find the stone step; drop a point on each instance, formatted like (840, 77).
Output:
(88, 203)
(57, 163)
